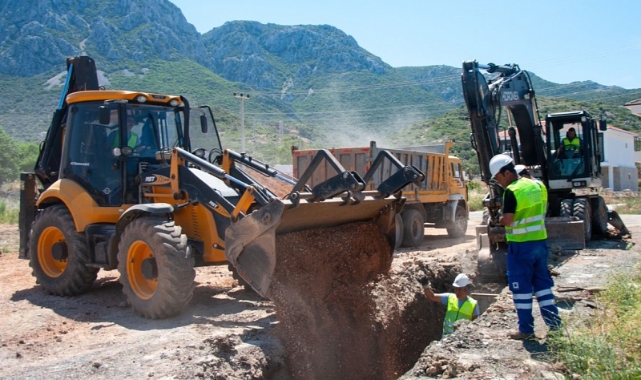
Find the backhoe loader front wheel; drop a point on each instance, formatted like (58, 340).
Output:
(156, 270)
(59, 254)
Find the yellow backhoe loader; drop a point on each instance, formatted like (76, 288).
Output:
(118, 185)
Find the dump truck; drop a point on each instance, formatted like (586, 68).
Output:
(440, 199)
(575, 209)
(119, 186)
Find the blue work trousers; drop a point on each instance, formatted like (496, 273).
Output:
(527, 275)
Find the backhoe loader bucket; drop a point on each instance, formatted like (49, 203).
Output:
(251, 242)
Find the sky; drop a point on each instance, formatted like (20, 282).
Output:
(561, 41)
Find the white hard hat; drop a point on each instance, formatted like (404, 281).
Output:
(461, 281)
(519, 168)
(499, 161)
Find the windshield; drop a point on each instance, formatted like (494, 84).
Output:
(209, 139)
(567, 149)
(156, 127)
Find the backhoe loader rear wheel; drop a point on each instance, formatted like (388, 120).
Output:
(59, 254)
(156, 270)
(459, 227)
(414, 228)
(582, 211)
(600, 216)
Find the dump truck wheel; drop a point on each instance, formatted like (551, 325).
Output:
(400, 231)
(156, 270)
(59, 254)
(414, 228)
(600, 216)
(582, 211)
(459, 227)
(567, 208)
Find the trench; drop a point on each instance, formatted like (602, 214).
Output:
(343, 314)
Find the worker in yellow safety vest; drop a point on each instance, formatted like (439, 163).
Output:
(571, 145)
(132, 140)
(527, 254)
(523, 172)
(460, 306)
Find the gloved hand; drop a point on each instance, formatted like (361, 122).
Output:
(423, 281)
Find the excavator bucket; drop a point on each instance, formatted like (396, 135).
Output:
(340, 201)
(565, 234)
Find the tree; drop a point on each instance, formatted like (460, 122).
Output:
(8, 158)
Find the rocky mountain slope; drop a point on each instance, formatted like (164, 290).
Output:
(313, 79)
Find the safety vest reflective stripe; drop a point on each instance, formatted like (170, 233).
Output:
(524, 230)
(528, 220)
(454, 314)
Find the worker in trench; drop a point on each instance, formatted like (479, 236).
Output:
(527, 270)
(460, 306)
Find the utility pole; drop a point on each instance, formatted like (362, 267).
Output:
(242, 119)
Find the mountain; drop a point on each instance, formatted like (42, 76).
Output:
(309, 84)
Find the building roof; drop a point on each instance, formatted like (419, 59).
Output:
(636, 102)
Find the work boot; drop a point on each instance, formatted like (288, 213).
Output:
(519, 335)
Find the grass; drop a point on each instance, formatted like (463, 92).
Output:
(624, 202)
(607, 345)
(476, 191)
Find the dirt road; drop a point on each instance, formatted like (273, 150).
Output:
(227, 332)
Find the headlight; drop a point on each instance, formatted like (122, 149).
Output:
(141, 98)
(173, 102)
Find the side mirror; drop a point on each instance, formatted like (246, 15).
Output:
(603, 125)
(104, 115)
(203, 123)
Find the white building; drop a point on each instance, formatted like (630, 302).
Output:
(621, 154)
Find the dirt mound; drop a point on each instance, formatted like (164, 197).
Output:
(342, 314)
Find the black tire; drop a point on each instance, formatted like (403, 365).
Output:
(600, 216)
(567, 208)
(583, 212)
(59, 254)
(400, 231)
(413, 228)
(459, 227)
(156, 270)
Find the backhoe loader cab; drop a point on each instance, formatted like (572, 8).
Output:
(118, 185)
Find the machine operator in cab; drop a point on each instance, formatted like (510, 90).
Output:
(570, 146)
(527, 255)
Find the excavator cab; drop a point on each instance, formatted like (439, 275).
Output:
(574, 148)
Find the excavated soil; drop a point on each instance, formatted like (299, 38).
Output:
(341, 314)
